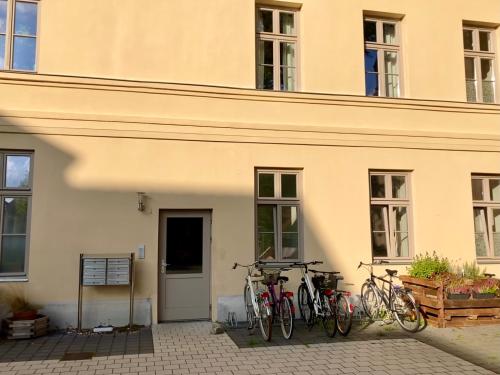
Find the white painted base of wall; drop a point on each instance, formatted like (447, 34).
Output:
(114, 312)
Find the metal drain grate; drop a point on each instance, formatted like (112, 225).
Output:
(77, 356)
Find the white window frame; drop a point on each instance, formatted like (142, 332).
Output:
(16, 192)
(276, 37)
(277, 202)
(476, 54)
(9, 36)
(382, 47)
(486, 205)
(388, 203)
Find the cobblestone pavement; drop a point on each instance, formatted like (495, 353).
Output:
(188, 348)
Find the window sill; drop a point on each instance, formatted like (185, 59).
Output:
(488, 261)
(406, 261)
(13, 279)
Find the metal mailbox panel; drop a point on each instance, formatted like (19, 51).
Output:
(94, 271)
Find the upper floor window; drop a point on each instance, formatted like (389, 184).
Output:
(382, 57)
(479, 64)
(390, 212)
(278, 210)
(277, 41)
(486, 206)
(18, 34)
(15, 200)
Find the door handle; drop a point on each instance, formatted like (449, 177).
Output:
(164, 266)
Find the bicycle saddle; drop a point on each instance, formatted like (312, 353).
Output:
(391, 272)
(284, 278)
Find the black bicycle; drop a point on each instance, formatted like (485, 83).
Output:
(397, 300)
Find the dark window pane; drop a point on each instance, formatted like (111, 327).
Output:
(377, 186)
(24, 53)
(389, 33)
(15, 214)
(265, 52)
(379, 244)
(18, 171)
(265, 77)
(371, 76)
(2, 51)
(289, 186)
(470, 72)
(286, 23)
(287, 76)
(287, 54)
(266, 215)
(370, 31)
(290, 232)
(25, 18)
(266, 21)
(13, 252)
(3, 16)
(484, 41)
(184, 245)
(399, 187)
(477, 190)
(265, 218)
(495, 191)
(266, 185)
(379, 229)
(468, 40)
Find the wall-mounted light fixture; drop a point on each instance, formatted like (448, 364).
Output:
(141, 201)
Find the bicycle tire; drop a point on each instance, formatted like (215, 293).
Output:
(305, 302)
(370, 300)
(329, 318)
(406, 308)
(343, 315)
(286, 318)
(265, 321)
(247, 300)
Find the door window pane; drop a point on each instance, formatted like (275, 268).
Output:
(370, 31)
(398, 187)
(266, 185)
(377, 186)
(13, 254)
(389, 33)
(289, 186)
(287, 23)
(184, 245)
(17, 174)
(15, 215)
(378, 215)
(290, 232)
(480, 231)
(266, 21)
(266, 215)
(468, 39)
(25, 19)
(495, 190)
(24, 53)
(477, 190)
(484, 40)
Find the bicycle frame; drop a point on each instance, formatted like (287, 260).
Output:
(282, 295)
(384, 295)
(250, 280)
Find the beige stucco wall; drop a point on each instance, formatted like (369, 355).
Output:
(98, 142)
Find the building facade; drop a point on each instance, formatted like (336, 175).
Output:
(200, 133)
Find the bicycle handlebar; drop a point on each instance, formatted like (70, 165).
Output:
(247, 265)
(327, 272)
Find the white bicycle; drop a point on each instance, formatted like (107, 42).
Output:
(257, 302)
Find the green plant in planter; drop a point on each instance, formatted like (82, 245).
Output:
(429, 266)
(472, 271)
(486, 288)
(458, 288)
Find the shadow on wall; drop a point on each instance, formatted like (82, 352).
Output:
(75, 208)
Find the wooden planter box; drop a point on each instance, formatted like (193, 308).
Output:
(442, 312)
(25, 329)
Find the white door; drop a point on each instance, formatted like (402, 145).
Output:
(184, 265)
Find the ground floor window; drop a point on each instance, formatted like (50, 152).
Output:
(278, 211)
(486, 211)
(15, 200)
(390, 214)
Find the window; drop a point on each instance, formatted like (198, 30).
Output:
(18, 34)
(486, 207)
(479, 64)
(276, 39)
(278, 215)
(390, 213)
(15, 200)
(382, 57)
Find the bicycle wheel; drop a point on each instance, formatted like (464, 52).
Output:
(305, 305)
(343, 315)
(266, 320)
(329, 321)
(286, 317)
(405, 310)
(370, 300)
(247, 297)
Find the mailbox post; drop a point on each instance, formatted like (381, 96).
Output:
(102, 270)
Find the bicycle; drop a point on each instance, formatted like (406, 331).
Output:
(398, 301)
(257, 304)
(282, 305)
(318, 302)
